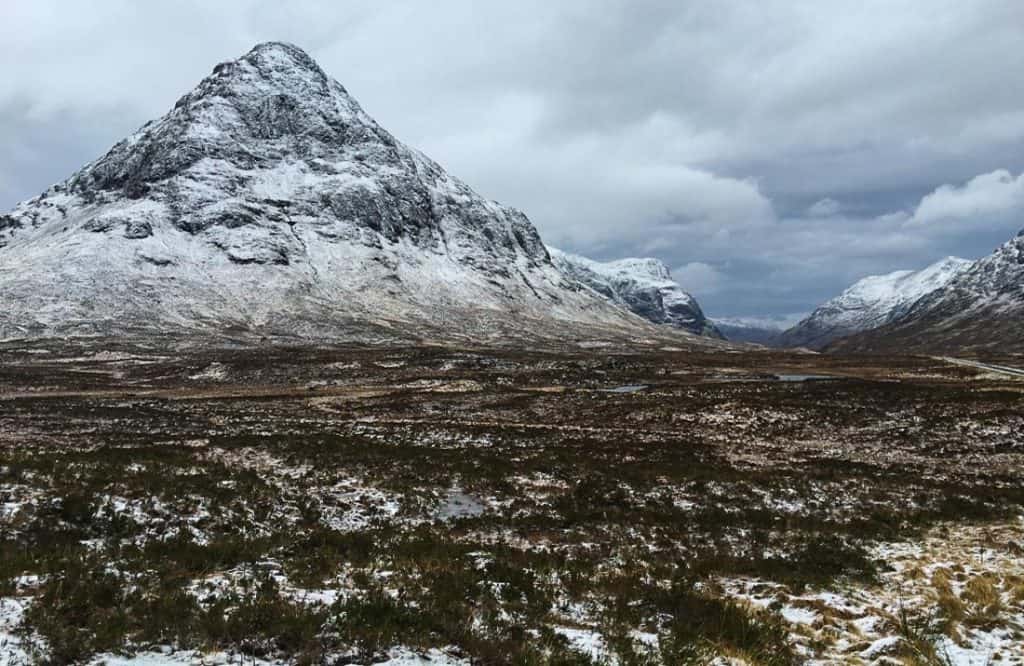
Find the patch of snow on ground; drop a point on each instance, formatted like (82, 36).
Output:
(12, 651)
(795, 615)
(213, 372)
(396, 657)
(435, 657)
(586, 641)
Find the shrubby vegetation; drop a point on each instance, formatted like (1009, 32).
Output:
(295, 510)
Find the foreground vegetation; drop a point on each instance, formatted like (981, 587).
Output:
(330, 505)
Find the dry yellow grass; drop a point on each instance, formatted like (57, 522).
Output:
(946, 600)
(1015, 589)
(984, 598)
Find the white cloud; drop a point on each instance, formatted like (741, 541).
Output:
(589, 193)
(698, 278)
(984, 199)
(894, 218)
(826, 207)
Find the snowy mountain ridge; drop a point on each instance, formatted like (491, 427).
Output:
(642, 285)
(981, 308)
(268, 201)
(871, 302)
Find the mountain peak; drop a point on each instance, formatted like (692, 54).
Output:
(267, 199)
(273, 104)
(279, 61)
(872, 302)
(648, 266)
(979, 308)
(642, 285)
(274, 49)
(268, 68)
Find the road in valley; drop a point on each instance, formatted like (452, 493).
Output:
(999, 369)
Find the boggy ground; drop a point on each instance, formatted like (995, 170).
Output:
(186, 502)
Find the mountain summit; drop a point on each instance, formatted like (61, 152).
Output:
(644, 286)
(980, 310)
(268, 201)
(871, 302)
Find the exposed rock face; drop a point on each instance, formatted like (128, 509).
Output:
(981, 309)
(268, 201)
(872, 302)
(8, 225)
(643, 286)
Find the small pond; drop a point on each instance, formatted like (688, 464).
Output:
(628, 388)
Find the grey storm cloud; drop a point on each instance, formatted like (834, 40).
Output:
(771, 151)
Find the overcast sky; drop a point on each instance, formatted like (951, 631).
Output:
(770, 152)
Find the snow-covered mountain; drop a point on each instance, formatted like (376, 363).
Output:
(267, 201)
(981, 308)
(643, 286)
(871, 302)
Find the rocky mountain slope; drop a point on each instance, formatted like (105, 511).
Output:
(268, 202)
(870, 303)
(643, 286)
(981, 309)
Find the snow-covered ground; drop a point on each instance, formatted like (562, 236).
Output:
(13, 651)
(396, 657)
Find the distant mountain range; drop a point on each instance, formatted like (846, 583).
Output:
(756, 330)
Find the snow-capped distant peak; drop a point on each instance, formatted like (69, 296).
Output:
(882, 292)
(981, 307)
(637, 267)
(642, 285)
(872, 302)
